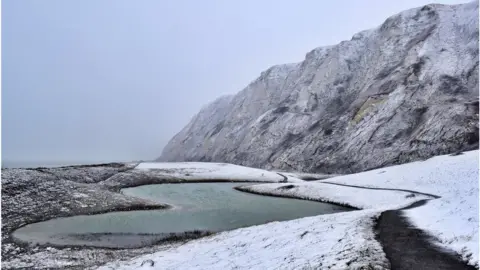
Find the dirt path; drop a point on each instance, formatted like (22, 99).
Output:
(285, 179)
(392, 189)
(407, 247)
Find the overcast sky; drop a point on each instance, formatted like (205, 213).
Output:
(113, 80)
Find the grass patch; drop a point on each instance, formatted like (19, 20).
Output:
(365, 108)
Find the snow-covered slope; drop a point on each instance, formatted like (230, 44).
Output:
(403, 91)
(322, 242)
(204, 171)
(452, 219)
(344, 240)
(354, 197)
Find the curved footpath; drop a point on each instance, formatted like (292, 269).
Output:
(377, 188)
(407, 247)
(285, 179)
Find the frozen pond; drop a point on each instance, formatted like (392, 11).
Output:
(206, 207)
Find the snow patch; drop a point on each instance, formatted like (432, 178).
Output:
(451, 219)
(343, 240)
(336, 241)
(354, 197)
(204, 171)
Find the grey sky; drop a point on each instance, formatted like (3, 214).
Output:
(110, 80)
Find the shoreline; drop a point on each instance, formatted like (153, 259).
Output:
(386, 206)
(73, 190)
(252, 191)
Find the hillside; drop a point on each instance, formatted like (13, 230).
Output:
(406, 90)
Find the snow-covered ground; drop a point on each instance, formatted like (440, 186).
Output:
(319, 242)
(335, 241)
(342, 240)
(308, 176)
(451, 219)
(204, 171)
(349, 196)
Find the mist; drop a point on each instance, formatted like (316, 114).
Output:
(99, 81)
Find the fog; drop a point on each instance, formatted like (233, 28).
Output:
(111, 80)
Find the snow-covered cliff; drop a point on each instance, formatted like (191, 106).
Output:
(404, 91)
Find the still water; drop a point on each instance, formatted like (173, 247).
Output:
(211, 207)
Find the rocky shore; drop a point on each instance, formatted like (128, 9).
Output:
(34, 195)
(38, 194)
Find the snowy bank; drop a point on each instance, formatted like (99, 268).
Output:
(343, 240)
(348, 196)
(334, 241)
(309, 176)
(451, 219)
(205, 171)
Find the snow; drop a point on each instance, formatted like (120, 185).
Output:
(279, 71)
(341, 240)
(354, 197)
(205, 171)
(451, 219)
(49, 259)
(308, 176)
(309, 243)
(456, 23)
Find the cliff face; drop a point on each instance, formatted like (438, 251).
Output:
(404, 91)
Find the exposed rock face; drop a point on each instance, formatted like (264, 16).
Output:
(404, 91)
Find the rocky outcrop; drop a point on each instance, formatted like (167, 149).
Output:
(404, 91)
(39, 194)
